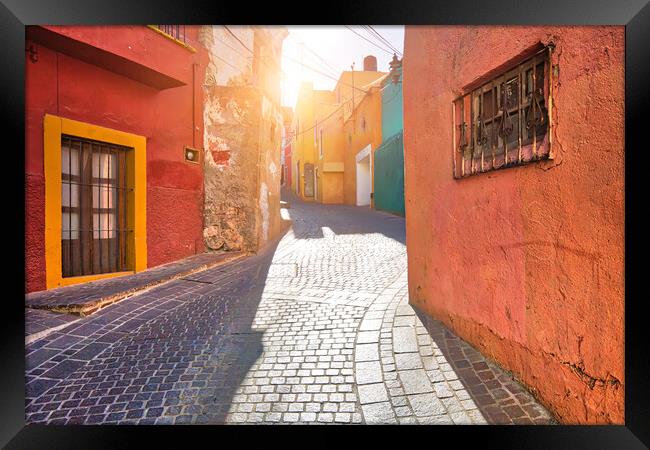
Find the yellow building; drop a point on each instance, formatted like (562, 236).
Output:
(362, 136)
(318, 160)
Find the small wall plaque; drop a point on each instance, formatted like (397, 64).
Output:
(192, 155)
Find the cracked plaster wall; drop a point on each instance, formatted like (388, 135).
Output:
(242, 142)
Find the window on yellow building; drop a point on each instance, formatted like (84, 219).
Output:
(505, 121)
(320, 143)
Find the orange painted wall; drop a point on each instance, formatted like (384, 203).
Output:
(525, 263)
(356, 81)
(356, 138)
(330, 166)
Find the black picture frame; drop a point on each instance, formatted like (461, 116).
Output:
(634, 14)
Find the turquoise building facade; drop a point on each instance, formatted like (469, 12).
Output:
(389, 157)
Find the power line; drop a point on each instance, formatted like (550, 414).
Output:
(368, 40)
(375, 38)
(326, 64)
(287, 76)
(283, 73)
(383, 39)
(324, 74)
(292, 59)
(322, 120)
(238, 40)
(225, 61)
(342, 104)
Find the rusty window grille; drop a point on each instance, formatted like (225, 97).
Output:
(94, 190)
(505, 121)
(175, 31)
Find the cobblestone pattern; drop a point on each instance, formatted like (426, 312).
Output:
(315, 330)
(409, 373)
(38, 321)
(499, 397)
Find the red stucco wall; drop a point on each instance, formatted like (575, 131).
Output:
(525, 263)
(65, 86)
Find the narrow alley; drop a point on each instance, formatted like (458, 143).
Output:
(316, 328)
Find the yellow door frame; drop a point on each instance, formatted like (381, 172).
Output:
(53, 128)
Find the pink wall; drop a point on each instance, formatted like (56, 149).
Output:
(525, 263)
(69, 87)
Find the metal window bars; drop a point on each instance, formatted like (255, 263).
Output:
(175, 31)
(94, 192)
(505, 121)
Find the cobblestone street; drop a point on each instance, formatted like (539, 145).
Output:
(314, 329)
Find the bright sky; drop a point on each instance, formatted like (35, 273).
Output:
(338, 47)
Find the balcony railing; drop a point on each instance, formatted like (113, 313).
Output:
(174, 32)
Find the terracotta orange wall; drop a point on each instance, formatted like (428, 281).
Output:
(525, 263)
(68, 87)
(370, 108)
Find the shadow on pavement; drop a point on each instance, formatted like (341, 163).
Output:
(238, 349)
(174, 354)
(500, 398)
(337, 219)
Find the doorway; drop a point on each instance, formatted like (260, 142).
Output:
(298, 177)
(309, 180)
(364, 177)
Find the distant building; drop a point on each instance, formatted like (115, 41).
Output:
(287, 141)
(362, 136)
(388, 193)
(321, 142)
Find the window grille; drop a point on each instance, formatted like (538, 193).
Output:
(94, 191)
(175, 31)
(505, 121)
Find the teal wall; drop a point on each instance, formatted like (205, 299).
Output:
(389, 157)
(391, 109)
(389, 175)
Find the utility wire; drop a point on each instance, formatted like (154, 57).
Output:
(368, 40)
(286, 76)
(324, 74)
(238, 40)
(383, 39)
(327, 64)
(252, 53)
(321, 121)
(225, 61)
(292, 59)
(294, 136)
(374, 37)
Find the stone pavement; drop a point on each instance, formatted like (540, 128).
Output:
(315, 329)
